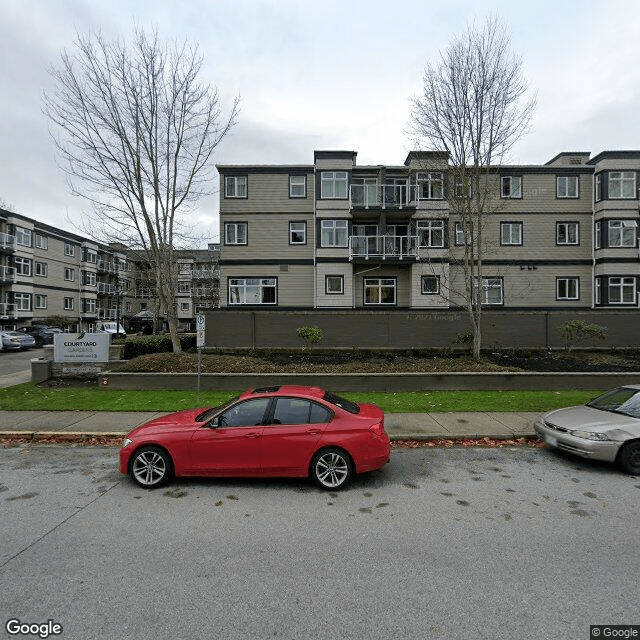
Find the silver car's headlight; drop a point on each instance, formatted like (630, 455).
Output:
(126, 442)
(590, 435)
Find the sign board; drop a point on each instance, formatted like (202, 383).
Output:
(81, 347)
(200, 330)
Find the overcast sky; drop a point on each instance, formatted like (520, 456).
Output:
(336, 74)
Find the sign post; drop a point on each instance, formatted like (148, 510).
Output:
(199, 344)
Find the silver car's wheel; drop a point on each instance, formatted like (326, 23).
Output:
(629, 457)
(331, 469)
(150, 467)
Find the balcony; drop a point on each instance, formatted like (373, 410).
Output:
(7, 242)
(105, 288)
(391, 248)
(387, 196)
(7, 274)
(7, 310)
(205, 273)
(107, 314)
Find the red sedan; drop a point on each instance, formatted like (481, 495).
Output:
(286, 431)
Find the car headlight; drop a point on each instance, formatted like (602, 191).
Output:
(590, 435)
(126, 442)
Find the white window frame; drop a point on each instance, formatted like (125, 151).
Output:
(511, 234)
(430, 185)
(41, 242)
(567, 187)
(184, 287)
(623, 284)
(298, 186)
(302, 229)
(568, 288)
(24, 237)
(625, 182)
(423, 289)
(334, 233)
(597, 191)
(235, 186)
(89, 278)
(68, 304)
(40, 301)
(23, 266)
(333, 290)
(331, 183)
(597, 293)
(69, 249)
(256, 287)
(431, 230)
(22, 301)
(88, 305)
(69, 274)
(567, 226)
(511, 187)
(379, 284)
(41, 269)
(626, 232)
(491, 284)
(185, 306)
(233, 233)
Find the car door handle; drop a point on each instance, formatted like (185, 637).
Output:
(313, 432)
(252, 435)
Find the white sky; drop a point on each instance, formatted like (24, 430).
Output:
(336, 74)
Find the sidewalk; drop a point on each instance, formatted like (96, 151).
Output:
(399, 426)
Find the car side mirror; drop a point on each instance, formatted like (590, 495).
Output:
(214, 423)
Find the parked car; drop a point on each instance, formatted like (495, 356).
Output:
(286, 431)
(110, 327)
(607, 428)
(43, 334)
(17, 340)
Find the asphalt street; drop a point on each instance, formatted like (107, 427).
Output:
(442, 543)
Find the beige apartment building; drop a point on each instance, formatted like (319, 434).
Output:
(336, 235)
(49, 273)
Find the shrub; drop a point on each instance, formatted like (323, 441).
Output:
(574, 332)
(310, 335)
(140, 346)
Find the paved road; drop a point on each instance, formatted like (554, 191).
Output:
(14, 361)
(445, 543)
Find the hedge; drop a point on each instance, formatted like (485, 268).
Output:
(140, 346)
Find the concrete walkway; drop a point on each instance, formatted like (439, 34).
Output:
(423, 426)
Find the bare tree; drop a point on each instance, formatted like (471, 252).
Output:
(136, 131)
(473, 107)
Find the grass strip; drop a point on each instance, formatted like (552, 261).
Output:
(30, 397)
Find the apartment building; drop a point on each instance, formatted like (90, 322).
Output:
(336, 235)
(49, 273)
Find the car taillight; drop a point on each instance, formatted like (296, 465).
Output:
(378, 429)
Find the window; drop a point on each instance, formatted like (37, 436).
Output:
(89, 256)
(491, 291)
(622, 233)
(41, 269)
(431, 233)
(88, 305)
(622, 290)
(185, 306)
(298, 411)
(297, 233)
(68, 304)
(598, 188)
(23, 237)
(252, 291)
(622, 184)
(379, 291)
(40, 301)
(235, 233)
(462, 187)
(334, 285)
(364, 192)
(235, 187)
(128, 307)
(69, 249)
(184, 287)
(249, 413)
(23, 266)
(511, 233)
(511, 187)
(333, 184)
(69, 274)
(567, 233)
(143, 306)
(333, 233)
(430, 185)
(430, 285)
(41, 241)
(567, 288)
(89, 278)
(598, 235)
(597, 295)
(567, 187)
(297, 186)
(461, 236)
(22, 301)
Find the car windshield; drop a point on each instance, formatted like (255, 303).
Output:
(347, 405)
(209, 413)
(624, 400)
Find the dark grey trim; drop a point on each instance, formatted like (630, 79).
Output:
(243, 170)
(567, 244)
(298, 244)
(429, 293)
(266, 261)
(293, 174)
(326, 282)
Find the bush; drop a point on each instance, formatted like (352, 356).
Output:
(574, 332)
(310, 335)
(140, 346)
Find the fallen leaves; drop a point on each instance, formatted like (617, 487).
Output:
(466, 442)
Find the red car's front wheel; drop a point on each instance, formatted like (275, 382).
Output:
(150, 467)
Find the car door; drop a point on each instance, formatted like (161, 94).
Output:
(291, 434)
(230, 443)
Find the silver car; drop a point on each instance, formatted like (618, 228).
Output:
(17, 340)
(607, 428)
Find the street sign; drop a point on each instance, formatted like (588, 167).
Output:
(200, 330)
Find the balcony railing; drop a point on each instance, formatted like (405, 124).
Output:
(106, 288)
(384, 247)
(7, 274)
(7, 310)
(205, 273)
(7, 241)
(387, 196)
(107, 314)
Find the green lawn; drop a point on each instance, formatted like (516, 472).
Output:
(28, 397)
